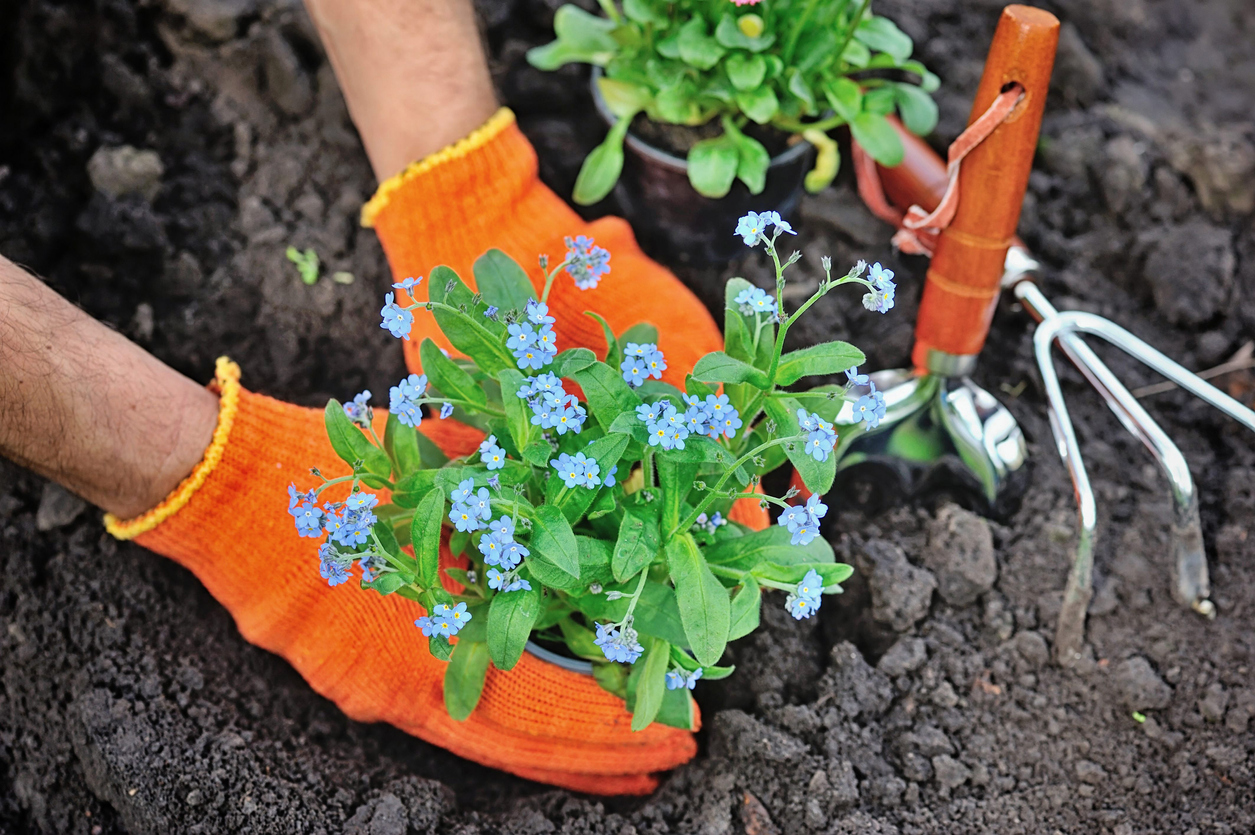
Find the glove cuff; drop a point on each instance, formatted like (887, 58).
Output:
(226, 385)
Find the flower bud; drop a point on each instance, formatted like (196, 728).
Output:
(751, 25)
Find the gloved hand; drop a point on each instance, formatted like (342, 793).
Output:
(228, 522)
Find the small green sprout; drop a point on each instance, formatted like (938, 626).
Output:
(1139, 717)
(306, 264)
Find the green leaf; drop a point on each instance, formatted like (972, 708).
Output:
(678, 105)
(637, 544)
(401, 442)
(831, 573)
(623, 98)
(770, 545)
(612, 678)
(643, 11)
(602, 167)
(538, 453)
(856, 54)
(569, 361)
(425, 536)
(799, 88)
(753, 158)
(464, 678)
(880, 100)
(919, 111)
(606, 393)
(816, 475)
(698, 449)
(697, 48)
(737, 338)
(581, 36)
(386, 583)
(676, 479)
(746, 609)
(510, 619)
(878, 138)
(883, 35)
(745, 71)
(518, 421)
(676, 710)
(447, 376)
(759, 104)
(728, 34)
(502, 282)
(928, 81)
(553, 542)
(613, 354)
(580, 640)
(712, 166)
(718, 367)
(595, 555)
(440, 647)
(652, 684)
(825, 358)
(703, 601)
(350, 444)
(844, 97)
(464, 332)
(827, 160)
(411, 489)
(606, 451)
(432, 455)
(641, 333)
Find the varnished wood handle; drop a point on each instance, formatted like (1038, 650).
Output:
(961, 289)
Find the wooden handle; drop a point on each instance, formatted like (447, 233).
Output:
(961, 289)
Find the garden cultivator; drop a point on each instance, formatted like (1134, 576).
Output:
(990, 444)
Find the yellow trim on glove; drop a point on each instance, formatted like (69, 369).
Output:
(481, 136)
(227, 384)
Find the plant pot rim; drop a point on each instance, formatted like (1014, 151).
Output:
(575, 665)
(660, 156)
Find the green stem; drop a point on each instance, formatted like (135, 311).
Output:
(796, 34)
(544, 297)
(711, 496)
(647, 467)
(854, 22)
(798, 126)
(331, 481)
(608, 7)
(636, 596)
(466, 404)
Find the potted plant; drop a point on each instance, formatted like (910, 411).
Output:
(721, 102)
(593, 531)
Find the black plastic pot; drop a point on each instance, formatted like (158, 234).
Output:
(670, 218)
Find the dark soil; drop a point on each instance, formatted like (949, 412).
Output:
(921, 701)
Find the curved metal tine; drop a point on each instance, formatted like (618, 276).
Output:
(1070, 632)
(1076, 320)
(1191, 582)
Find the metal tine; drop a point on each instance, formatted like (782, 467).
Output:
(1191, 567)
(1191, 583)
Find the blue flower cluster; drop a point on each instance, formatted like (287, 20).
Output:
(755, 300)
(803, 520)
(405, 399)
(471, 509)
(669, 428)
(332, 565)
(665, 424)
(640, 362)
(586, 263)
(408, 284)
(618, 642)
(505, 555)
(710, 524)
(445, 620)
(879, 299)
(805, 600)
(492, 455)
(753, 227)
(349, 524)
(359, 410)
(821, 437)
(578, 470)
(396, 319)
(551, 406)
(682, 678)
(531, 349)
(306, 512)
(870, 408)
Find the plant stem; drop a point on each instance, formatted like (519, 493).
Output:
(712, 495)
(331, 481)
(544, 297)
(636, 596)
(854, 22)
(796, 33)
(467, 404)
(647, 467)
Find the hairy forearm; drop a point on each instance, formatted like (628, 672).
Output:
(413, 73)
(89, 409)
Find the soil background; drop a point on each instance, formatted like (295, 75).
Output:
(921, 701)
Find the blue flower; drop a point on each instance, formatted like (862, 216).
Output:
(502, 528)
(521, 336)
(855, 378)
(634, 372)
(491, 312)
(347, 527)
(710, 524)
(879, 276)
(333, 567)
(481, 505)
(793, 517)
(547, 342)
(811, 587)
(490, 547)
(518, 584)
(801, 607)
(456, 616)
(446, 409)
(372, 566)
(750, 227)
(570, 416)
(586, 263)
(408, 284)
(880, 298)
(465, 517)
(428, 626)
(494, 483)
(803, 521)
(491, 454)
(756, 300)
(774, 219)
(654, 361)
(870, 408)
(820, 437)
(610, 482)
(463, 491)
(403, 399)
(308, 515)
(668, 430)
(538, 313)
(649, 412)
(728, 426)
(358, 411)
(696, 418)
(396, 319)
(816, 508)
(512, 553)
(618, 645)
(506, 582)
(677, 679)
(577, 470)
(633, 349)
